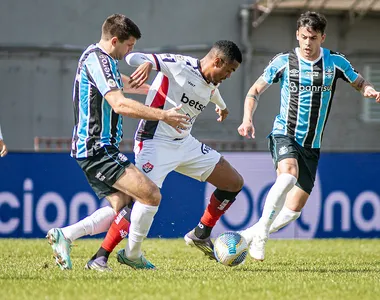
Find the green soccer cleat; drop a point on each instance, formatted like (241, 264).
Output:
(140, 263)
(61, 248)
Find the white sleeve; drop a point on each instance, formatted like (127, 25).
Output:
(137, 58)
(1, 136)
(218, 100)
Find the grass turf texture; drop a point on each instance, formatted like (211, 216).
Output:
(306, 269)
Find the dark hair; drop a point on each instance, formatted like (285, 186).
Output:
(120, 26)
(314, 20)
(229, 50)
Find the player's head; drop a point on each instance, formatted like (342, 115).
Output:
(223, 59)
(311, 34)
(121, 34)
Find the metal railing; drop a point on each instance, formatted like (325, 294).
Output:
(59, 144)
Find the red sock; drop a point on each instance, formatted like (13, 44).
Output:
(214, 211)
(118, 231)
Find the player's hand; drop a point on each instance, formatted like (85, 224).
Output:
(370, 92)
(177, 120)
(222, 113)
(3, 149)
(140, 75)
(247, 130)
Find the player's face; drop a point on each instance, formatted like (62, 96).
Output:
(310, 42)
(222, 70)
(122, 49)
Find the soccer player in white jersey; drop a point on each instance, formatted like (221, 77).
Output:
(3, 146)
(308, 76)
(190, 84)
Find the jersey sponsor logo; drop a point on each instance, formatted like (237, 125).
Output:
(190, 83)
(205, 149)
(105, 65)
(312, 73)
(192, 103)
(147, 167)
(309, 88)
(283, 150)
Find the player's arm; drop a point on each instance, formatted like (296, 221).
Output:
(250, 104)
(221, 107)
(3, 147)
(133, 109)
(366, 88)
(144, 63)
(127, 88)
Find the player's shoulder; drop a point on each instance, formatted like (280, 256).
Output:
(333, 53)
(281, 57)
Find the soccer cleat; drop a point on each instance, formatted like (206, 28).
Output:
(61, 248)
(98, 264)
(257, 247)
(205, 245)
(140, 263)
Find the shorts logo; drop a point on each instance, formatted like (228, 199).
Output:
(205, 149)
(122, 157)
(283, 150)
(100, 176)
(147, 167)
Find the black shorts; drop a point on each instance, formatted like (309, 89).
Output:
(282, 146)
(103, 169)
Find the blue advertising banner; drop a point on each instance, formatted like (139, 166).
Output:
(39, 191)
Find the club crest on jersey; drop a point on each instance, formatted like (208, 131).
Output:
(111, 83)
(329, 72)
(147, 167)
(283, 150)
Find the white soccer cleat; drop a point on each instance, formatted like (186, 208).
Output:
(257, 247)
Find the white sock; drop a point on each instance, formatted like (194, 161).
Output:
(276, 199)
(285, 216)
(100, 221)
(141, 220)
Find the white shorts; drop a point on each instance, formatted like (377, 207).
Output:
(157, 158)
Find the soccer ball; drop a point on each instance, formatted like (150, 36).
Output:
(230, 249)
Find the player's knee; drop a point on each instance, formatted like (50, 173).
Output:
(154, 196)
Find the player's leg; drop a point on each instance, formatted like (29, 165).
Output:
(295, 201)
(205, 164)
(298, 196)
(228, 183)
(100, 220)
(285, 153)
(117, 231)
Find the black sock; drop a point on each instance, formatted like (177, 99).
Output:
(202, 231)
(101, 252)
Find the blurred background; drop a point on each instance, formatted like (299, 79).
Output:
(42, 40)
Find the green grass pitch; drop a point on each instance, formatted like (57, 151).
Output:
(304, 269)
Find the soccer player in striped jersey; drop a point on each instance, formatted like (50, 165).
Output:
(308, 76)
(99, 105)
(3, 146)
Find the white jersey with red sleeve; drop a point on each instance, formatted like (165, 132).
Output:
(178, 82)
